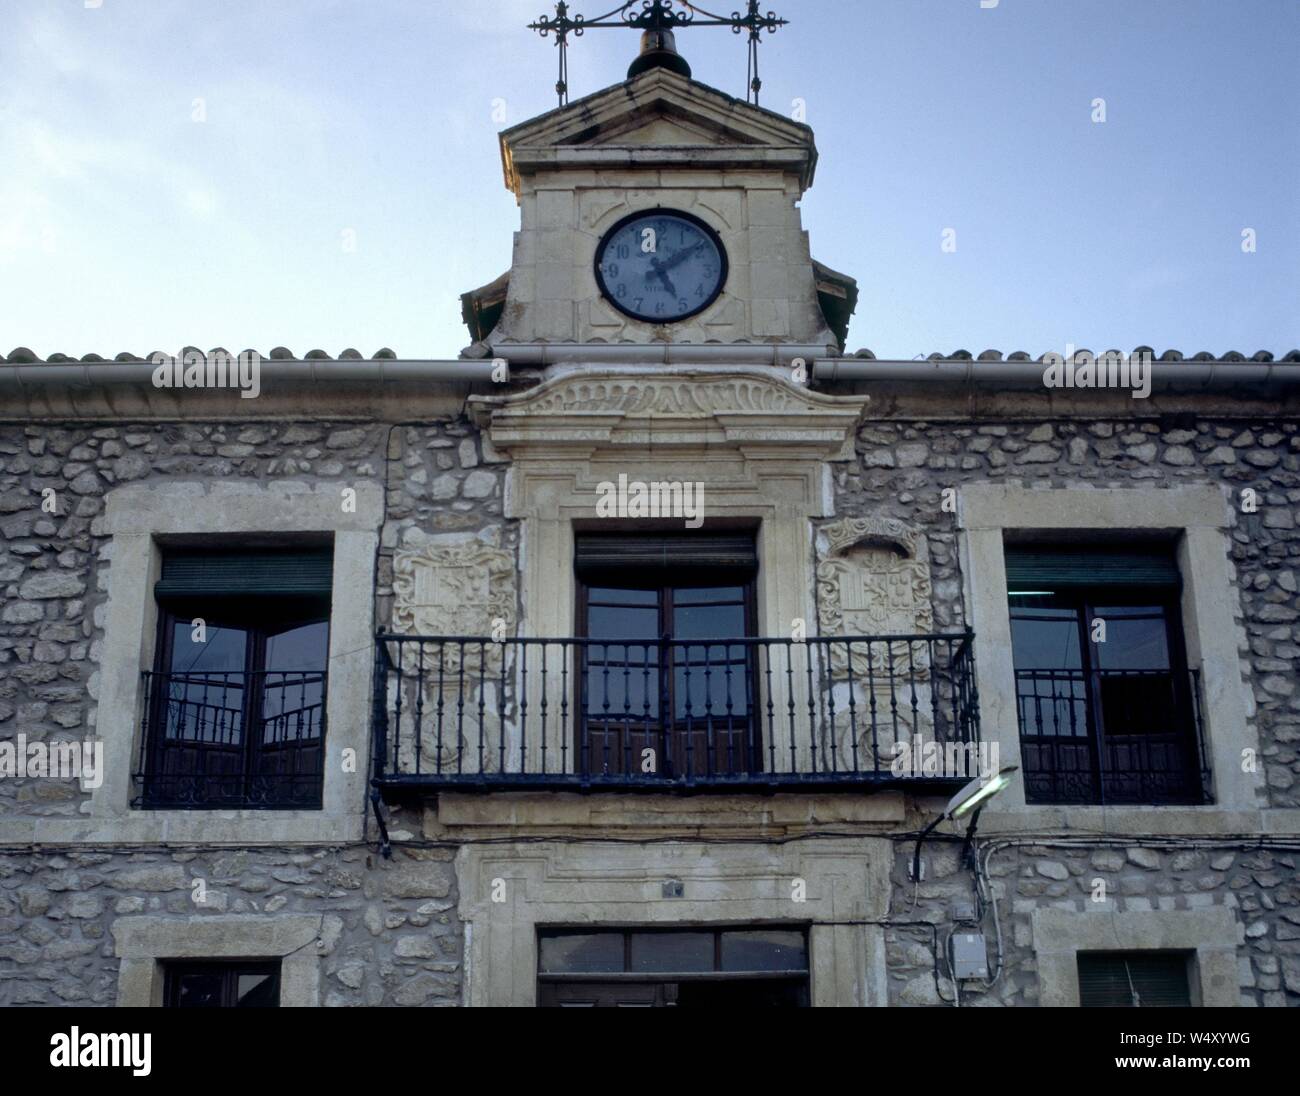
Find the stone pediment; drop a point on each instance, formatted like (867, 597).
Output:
(750, 412)
(660, 130)
(658, 119)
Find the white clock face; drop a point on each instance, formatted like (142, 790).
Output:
(661, 266)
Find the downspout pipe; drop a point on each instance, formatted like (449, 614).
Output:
(1029, 374)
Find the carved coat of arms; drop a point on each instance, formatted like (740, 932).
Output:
(873, 579)
(456, 589)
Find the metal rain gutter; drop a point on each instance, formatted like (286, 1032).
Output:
(1029, 374)
(315, 371)
(659, 353)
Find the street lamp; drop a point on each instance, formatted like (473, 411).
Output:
(969, 801)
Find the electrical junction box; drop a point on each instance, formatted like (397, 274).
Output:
(969, 956)
(963, 911)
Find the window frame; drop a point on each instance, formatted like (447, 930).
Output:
(229, 970)
(1186, 959)
(141, 519)
(664, 583)
(235, 612)
(1086, 601)
(1209, 934)
(1196, 518)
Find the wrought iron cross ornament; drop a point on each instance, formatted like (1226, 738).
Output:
(657, 15)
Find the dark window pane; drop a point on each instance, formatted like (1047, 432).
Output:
(604, 622)
(708, 621)
(1046, 644)
(1136, 639)
(621, 596)
(199, 990)
(764, 949)
(707, 595)
(293, 694)
(585, 953)
(257, 991)
(1138, 704)
(223, 650)
(672, 951)
(302, 647)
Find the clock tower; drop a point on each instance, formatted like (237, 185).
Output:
(660, 211)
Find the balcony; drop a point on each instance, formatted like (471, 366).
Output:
(698, 715)
(1106, 736)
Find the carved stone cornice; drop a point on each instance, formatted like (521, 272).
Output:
(590, 411)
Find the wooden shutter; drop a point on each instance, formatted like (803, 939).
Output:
(265, 573)
(1052, 568)
(1112, 979)
(660, 551)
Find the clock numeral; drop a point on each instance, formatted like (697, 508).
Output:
(683, 304)
(636, 303)
(623, 251)
(621, 291)
(613, 270)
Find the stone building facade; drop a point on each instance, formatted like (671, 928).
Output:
(462, 845)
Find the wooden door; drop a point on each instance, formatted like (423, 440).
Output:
(665, 689)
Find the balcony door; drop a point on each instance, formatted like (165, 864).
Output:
(236, 702)
(667, 683)
(1106, 703)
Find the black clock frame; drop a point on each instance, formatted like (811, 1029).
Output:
(704, 226)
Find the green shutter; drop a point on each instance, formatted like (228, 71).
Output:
(300, 573)
(1158, 979)
(1030, 568)
(657, 551)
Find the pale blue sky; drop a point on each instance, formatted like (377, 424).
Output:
(125, 224)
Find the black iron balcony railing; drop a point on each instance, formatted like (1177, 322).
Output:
(700, 714)
(249, 740)
(1112, 736)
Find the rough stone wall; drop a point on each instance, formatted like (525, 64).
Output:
(389, 934)
(1261, 885)
(54, 566)
(441, 480)
(903, 467)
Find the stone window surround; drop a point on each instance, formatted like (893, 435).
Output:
(1212, 934)
(143, 944)
(1199, 516)
(575, 883)
(136, 516)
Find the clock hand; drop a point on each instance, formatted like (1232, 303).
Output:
(659, 270)
(682, 255)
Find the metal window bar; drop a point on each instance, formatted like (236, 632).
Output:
(233, 739)
(1131, 736)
